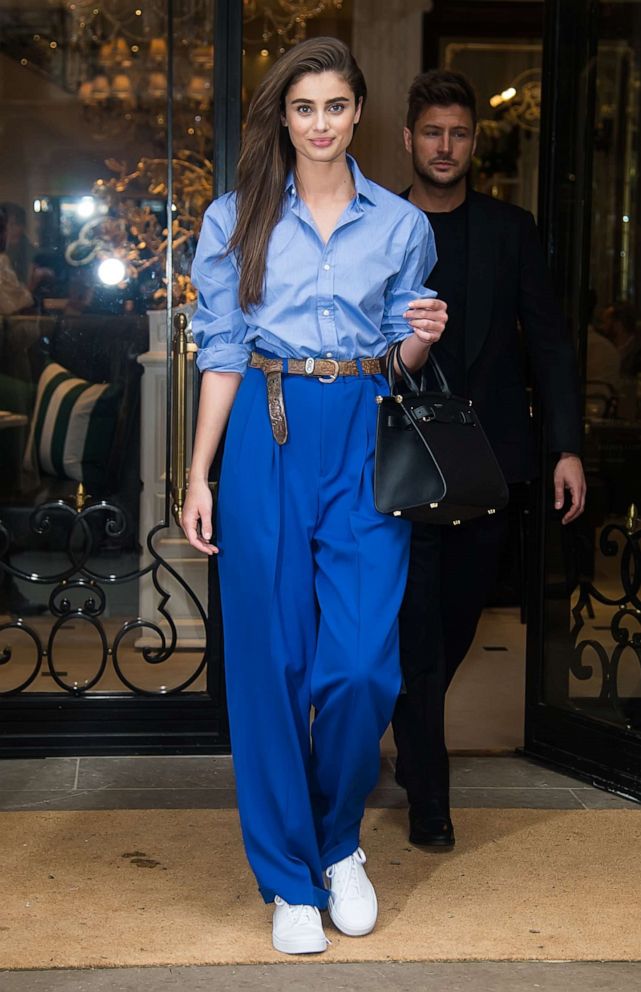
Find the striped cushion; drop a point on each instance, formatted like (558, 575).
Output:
(72, 428)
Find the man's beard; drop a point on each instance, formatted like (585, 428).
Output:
(435, 180)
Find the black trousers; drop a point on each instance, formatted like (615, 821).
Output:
(452, 574)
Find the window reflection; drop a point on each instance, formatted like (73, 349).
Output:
(88, 226)
(603, 678)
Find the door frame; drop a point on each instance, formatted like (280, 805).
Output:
(603, 754)
(113, 723)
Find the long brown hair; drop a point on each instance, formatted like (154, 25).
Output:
(267, 154)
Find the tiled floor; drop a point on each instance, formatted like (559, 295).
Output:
(208, 782)
(440, 977)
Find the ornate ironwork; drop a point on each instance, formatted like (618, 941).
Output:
(80, 575)
(615, 540)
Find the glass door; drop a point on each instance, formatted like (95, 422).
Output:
(106, 166)
(583, 708)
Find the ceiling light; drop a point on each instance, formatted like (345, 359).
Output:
(112, 271)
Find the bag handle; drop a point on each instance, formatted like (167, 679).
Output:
(394, 356)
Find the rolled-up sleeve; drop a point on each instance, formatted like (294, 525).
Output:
(409, 283)
(218, 326)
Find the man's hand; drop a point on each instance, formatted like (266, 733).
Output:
(568, 474)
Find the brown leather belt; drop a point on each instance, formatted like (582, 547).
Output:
(323, 369)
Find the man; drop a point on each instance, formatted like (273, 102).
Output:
(491, 272)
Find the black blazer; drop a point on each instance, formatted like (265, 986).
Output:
(512, 315)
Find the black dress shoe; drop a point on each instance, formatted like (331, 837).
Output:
(431, 826)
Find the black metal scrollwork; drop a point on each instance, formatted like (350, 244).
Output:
(616, 540)
(79, 579)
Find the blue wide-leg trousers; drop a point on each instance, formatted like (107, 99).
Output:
(312, 579)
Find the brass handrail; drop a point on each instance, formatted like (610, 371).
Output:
(180, 348)
(631, 518)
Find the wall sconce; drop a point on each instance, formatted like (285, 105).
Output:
(504, 97)
(100, 89)
(158, 50)
(122, 89)
(157, 87)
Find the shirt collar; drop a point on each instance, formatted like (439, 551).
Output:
(364, 188)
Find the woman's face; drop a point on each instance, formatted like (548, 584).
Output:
(320, 114)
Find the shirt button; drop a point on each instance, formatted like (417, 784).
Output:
(327, 267)
(325, 313)
(328, 354)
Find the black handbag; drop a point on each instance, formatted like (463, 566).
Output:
(433, 461)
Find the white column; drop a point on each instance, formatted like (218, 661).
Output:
(169, 543)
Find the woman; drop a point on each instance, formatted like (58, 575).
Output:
(306, 274)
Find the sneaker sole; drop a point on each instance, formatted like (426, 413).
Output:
(298, 946)
(345, 928)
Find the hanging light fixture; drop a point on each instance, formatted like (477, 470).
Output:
(121, 59)
(286, 19)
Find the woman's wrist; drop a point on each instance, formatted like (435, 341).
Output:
(198, 476)
(413, 352)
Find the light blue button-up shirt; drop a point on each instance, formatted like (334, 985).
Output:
(341, 299)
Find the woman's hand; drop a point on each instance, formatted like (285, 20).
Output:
(427, 318)
(217, 392)
(196, 517)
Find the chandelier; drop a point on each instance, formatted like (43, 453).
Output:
(121, 54)
(286, 20)
(135, 20)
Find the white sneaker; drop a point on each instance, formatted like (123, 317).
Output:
(297, 929)
(352, 901)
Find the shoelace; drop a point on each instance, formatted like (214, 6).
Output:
(346, 874)
(298, 914)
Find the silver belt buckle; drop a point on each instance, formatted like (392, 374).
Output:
(309, 366)
(334, 376)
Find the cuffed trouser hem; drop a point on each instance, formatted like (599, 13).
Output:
(340, 851)
(312, 896)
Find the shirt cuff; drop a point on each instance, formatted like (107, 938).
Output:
(223, 358)
(394, 334)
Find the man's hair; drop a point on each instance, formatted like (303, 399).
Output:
(439, 88)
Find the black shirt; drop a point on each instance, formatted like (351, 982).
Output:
(448, 279)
